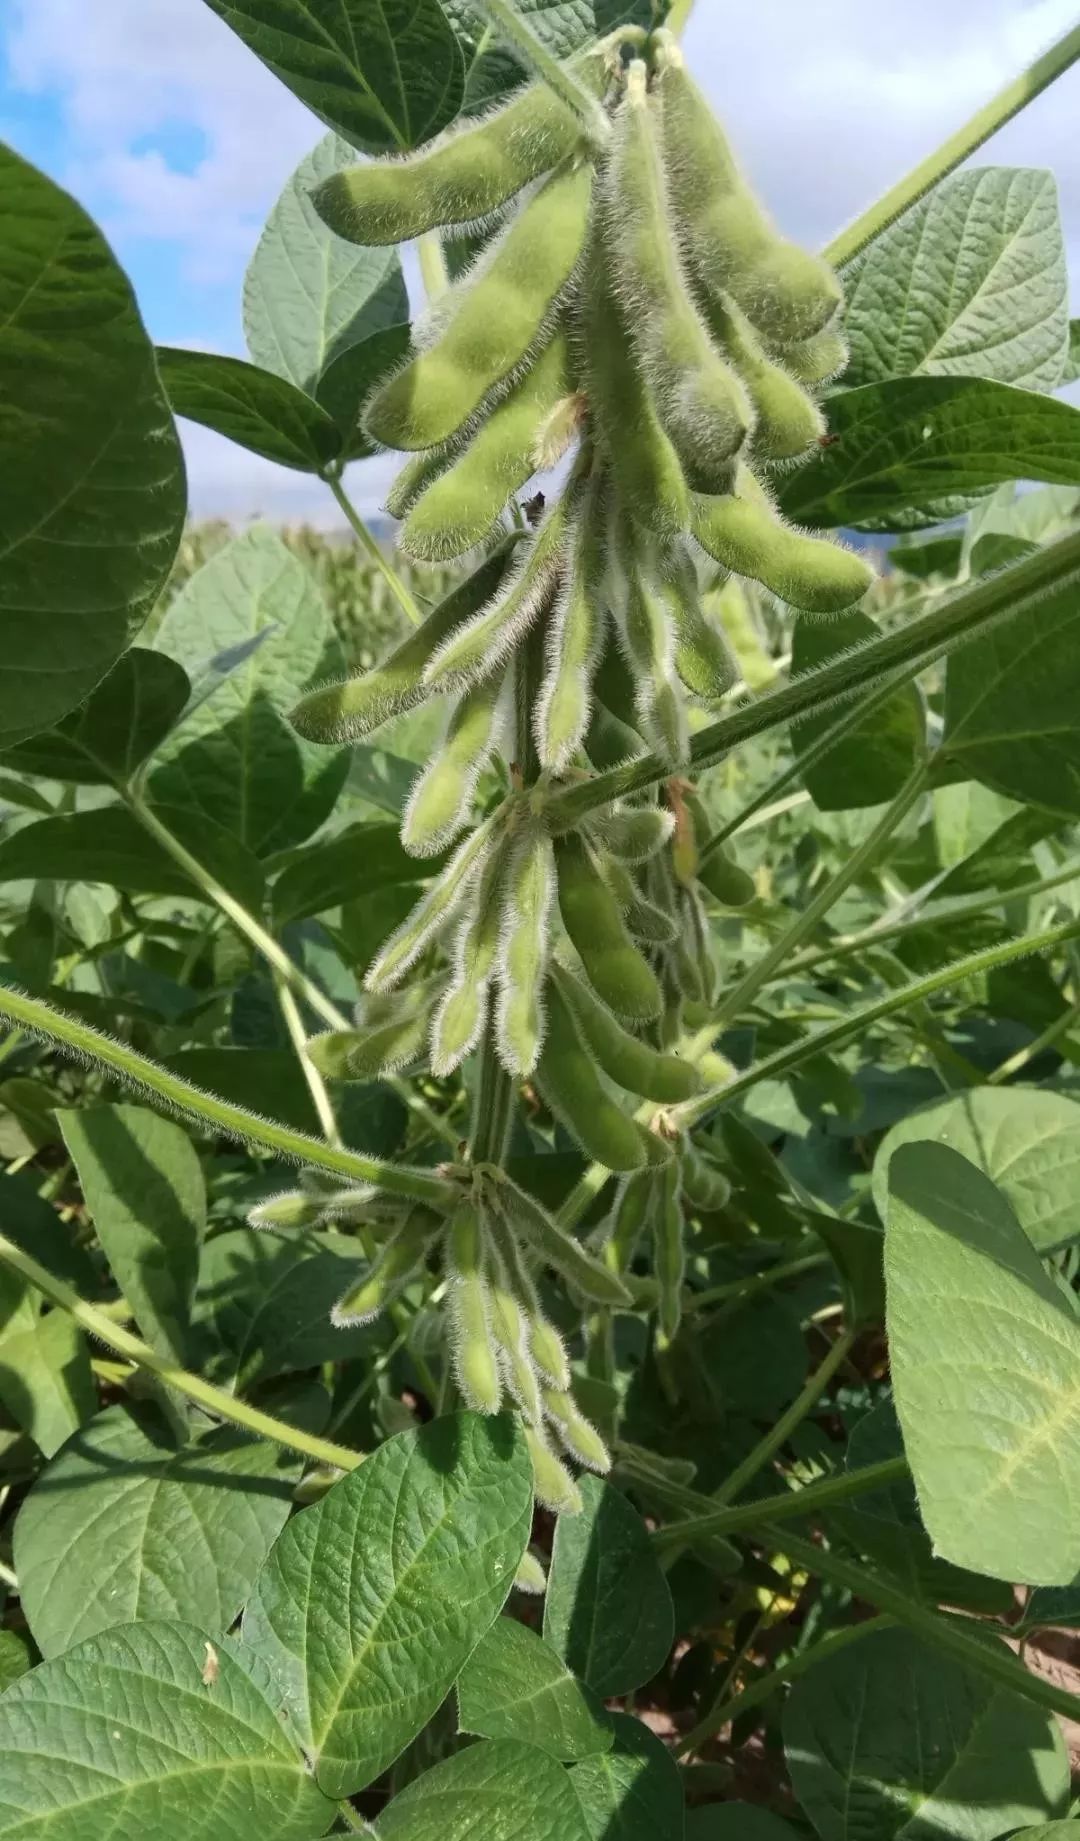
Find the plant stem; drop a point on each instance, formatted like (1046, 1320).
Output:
(954, 151)
(969, 613)
(209, 1109)
(763, 1689)
(942, 1632)
(742, 993)
(222, 1405)
(1015, 1064)
(778, 1434)
(534, 54)
(316, 1086)
(754, 1282)
(374, 550)
(493, 1107)
(792, 1505)
(679, 16)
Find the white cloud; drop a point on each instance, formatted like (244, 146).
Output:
(224, 481)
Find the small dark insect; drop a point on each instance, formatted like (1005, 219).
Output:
(828, 440)
(534, 508)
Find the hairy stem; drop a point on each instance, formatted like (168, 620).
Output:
(792, 1505)
(953, 152)
(213, 1399)
(765, 1687)
(401, 594)
(516, 32)
(742, 1288)
(492, 1108)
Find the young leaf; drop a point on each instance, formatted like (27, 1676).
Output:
(249, 406)
(112, 733)
(124, 1736)
(508, 1790)
(892, 1740)
(603, 1557)
(871, 762)
(125, 1525)
(514, 1687)
(91, 473)
(633, 1792)
(985, 1351)
(415, 1552)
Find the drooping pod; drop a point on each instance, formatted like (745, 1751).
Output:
(669, 1249)
(459, 1019)
(530, 1577)
(788, 293)
(578, 1437)
(567, 1079)
(618, 972)
(625, 1059)
(727, 881)
(703, 658)
(543, 1344)
(631, 833)
(704, 1186)
(574, 635)
(481, 644)
(817, 360)
(589, 1278)
(647, 633)
(787, 422)
(746, 535)
(442, 795)
(633, 1200)
(653, 925)
(490, 322)
(460, 506)
(352, 709)
(435, 910)
(419, 472)
(475, 1360)
(527, 899)
(508, 1325)
(699, 398)
(391, 1034)
(552, 1483)
(390, 1272)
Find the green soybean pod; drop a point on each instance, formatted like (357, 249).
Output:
(609, 742)
(632, 833)
(459, 1019)
(648, 638)
(703, 658)
(508, 1323)
(787, 422)
(629, 1062)
(700, 400)
(442, 796)
(543, 1343)
(706, 1187)
(553, 1485)
(730, 884)
(530, 1577)
(618, 972)
(352, 709)
(575, 1433)
(568, 1082)
(527, 898)
(551, 1246)
(389, 1272)
(575, 631)
(418, 473)
(475, 1361)
(696, 934)
(746, 535)
(788, 293)
(669, 1250)
(629, 1215)
(817, 360)
(489, 323)
(435, 910)
(482, 644)
(647, 922)
(463, 503)
(292, 1209)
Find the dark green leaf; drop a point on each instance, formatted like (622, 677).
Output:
(858, 1252)
(111, 846)
(608, 1610)
(113, 732)
(872, 761)
(45, 1379)
(632, 1792)
(514, 1687)
(348, 867)
(264, 1302)
(492, 68)
(506, 1791)
(252, 407)
(16, 1657)
(737, 1822)
(91, 474)
(350, 378)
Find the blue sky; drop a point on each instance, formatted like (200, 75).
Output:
(179, 141)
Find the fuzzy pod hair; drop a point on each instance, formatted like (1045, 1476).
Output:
(390, 1272)
(617, 971)
(490, 323)
(435, 910)
(703, 659)
(578, 1437)
(553, 1486)
(528, 896)
(474, 1353)
(653, 925)
(441, 799)
(459, 1020)
(544, 1345)
(530, 1577)
(631, 1063)
(508, 1321)
(419, 472)
(567, 1078)
(819, 360)
(629, 1214)
(350, 710)
(632, 833)
(744, 533)
(546, 1241)
(703, 1185)
(646, 633)
(573, 638)
(788, 423)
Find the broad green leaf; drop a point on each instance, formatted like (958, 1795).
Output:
(502, 1790)
(891, 1740)
(387, 77)
(970, 282)
(1051, 1605)
(309, 296)
(1004, 858)
(350, 378)
(16, 1657)
(858, 1251)
(514, 1687)
(491, 67)
(759, 1363)
(111, 846)
(45, 1380)
(1010, 706)
(965, 817)
(123, 1737)
(92, 491)
(348, 867)
(235, 759)
(264, 1302)
(908, 439)
(124, 1525)
(872, 761)
(1025, 1139)
(632, 1792)
(143, 1186)
(252, 407)
(737, 1822)
(1010, 525)
(415, 1554)
(112, 733)
(985, 1354)
(608, 1610)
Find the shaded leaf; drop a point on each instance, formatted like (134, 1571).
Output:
(501, 1788)
(264, 1301)
(16, 1657)
(111, 846)
(871, 762)
(737, 1822)
(632, 1792)
(252, 407)
(515, 1687)
(45, 1379)
(493, 70)
(348, 867)
(113, 732)
(607, 1611)
(351, 377)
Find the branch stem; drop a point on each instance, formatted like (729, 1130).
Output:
(777, 1435)
(373, 550)
(515, 31)
(765, 1687)
(792, 1505)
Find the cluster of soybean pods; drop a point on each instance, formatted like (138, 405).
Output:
(633, 317)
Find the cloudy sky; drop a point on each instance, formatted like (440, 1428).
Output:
(178, 141)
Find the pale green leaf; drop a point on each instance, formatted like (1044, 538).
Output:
(632, 1792)
(112, 733)
(890, 1741)
(124, 1526)
(499, 1789)
(92, 491)
(607, 1611)
(985, 1355)
(45, 1379)
(143, 1186)
(871, 762)
(515, 1687)
(250, 406)
(415, 1554)
(122, 1737)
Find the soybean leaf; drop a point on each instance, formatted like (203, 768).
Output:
(45, 1379)
(608, 1610)
(143, 1185)
(985, 1350)
(907, 439)
(92, 491)
(970, 282)
(387, 77)
(16, 1657)
(126, 1525)
(498, 1788)
(250, 406)
(1025, 1139)
(416, 1551)
(124, 1736)
(116, 729)
(111, 846)
(33, 1224)
(348, 867)
(1010, 706)
(1053, 1831)
(1008, 526)
(514, 1687)
(309, 296)
(264, 1301)
(857, 1250)
(872, 761)
(272, 1082)
(350, 378)
(892, 1740)
(737, 1822)
(632, 1792)
(235, 759)
(492, 68)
